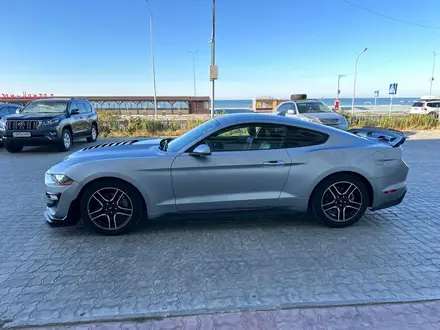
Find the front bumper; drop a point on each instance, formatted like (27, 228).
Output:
(61, 203)
(37, 138)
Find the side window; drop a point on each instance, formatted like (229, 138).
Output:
(431, 105)
(82, 107)
(300, 137)
(248, 137)
(283, 108)
(12, 110)
(88, 106)
(73, 105)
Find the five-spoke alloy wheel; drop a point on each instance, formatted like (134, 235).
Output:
(111, 206)
(340, 200)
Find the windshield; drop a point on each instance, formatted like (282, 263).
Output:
(45, 107)
(312, 107)
(192, 135)
(418, 104)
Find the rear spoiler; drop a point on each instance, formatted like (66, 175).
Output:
(393, 137)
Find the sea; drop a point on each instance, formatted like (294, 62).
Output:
(399, 103)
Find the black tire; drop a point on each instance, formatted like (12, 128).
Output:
(322, 196)
(297, 97)
(110, 217)
(64, 146)
(93, 137)
(433, 114)
(13, 148)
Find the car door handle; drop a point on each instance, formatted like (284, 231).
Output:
(274, 163)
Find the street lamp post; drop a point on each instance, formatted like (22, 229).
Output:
(432, 75)
(152, 59)
(193, 53)
(339, 80)
(354, 81)
(213, 74)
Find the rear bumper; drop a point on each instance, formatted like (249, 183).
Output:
(392, 202)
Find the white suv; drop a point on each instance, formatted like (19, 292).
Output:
(429, 106)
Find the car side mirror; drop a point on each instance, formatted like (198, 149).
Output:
(290, 112)
(74, 112)
(201, 150)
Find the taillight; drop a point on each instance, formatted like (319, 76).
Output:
(424, 109)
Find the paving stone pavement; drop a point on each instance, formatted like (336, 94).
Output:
(419, 316)
(206, 266)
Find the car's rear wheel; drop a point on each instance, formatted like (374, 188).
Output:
(111, 207)
(433, 114)
(66, 140)
(340, 200)
(94, 134)
(13, 147)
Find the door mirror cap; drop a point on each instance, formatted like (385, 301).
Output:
(290, 112)
(74, 112)
(201, 150)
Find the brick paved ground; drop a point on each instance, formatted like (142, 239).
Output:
(419, 316)
(67, 274)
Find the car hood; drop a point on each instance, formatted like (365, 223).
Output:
(117, 149)
(323, 116)
(32, 116)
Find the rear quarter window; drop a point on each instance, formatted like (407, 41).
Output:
(417, 104)
(300, 137)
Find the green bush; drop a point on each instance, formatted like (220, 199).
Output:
(114, 125)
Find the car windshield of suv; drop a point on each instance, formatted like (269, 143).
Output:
(418, 104)
(312, 107)
(192, 135)
(46, 107)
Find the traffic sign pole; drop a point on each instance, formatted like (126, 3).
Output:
(391, 102)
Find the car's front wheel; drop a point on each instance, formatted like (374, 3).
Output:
(13, 147)
(340, 200)
(111, 207)
(66, 140)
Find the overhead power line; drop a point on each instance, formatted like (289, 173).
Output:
(391, 18)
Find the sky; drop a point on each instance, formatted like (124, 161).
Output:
(263, 48)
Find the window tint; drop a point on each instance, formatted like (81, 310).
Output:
(263, 136)
(301, 137)
(82, 108)
(282, 109)
(431, 105)
(73, 106)
(418, 104)
(88, 106)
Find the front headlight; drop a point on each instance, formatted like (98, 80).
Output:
(3, 123)
(61, 179)
(50, 122)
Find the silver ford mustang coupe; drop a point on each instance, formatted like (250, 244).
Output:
(239, 162)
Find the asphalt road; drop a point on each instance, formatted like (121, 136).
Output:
(60, 275)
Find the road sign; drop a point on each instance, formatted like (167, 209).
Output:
(393, 89)
(376, 93)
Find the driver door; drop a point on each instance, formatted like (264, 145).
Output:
(236, 175)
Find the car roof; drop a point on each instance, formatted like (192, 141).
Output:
(269, 118)
(65, 99)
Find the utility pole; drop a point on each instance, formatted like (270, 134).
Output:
(213, 70)
(152, 58)
(193, 53)
(432, 75)
(354, 81)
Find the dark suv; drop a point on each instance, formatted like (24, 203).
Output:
(50, 121)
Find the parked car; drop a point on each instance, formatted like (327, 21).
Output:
(426, 106)
(5, 110)
(236, 162)
(50, 121)
(312, 110)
